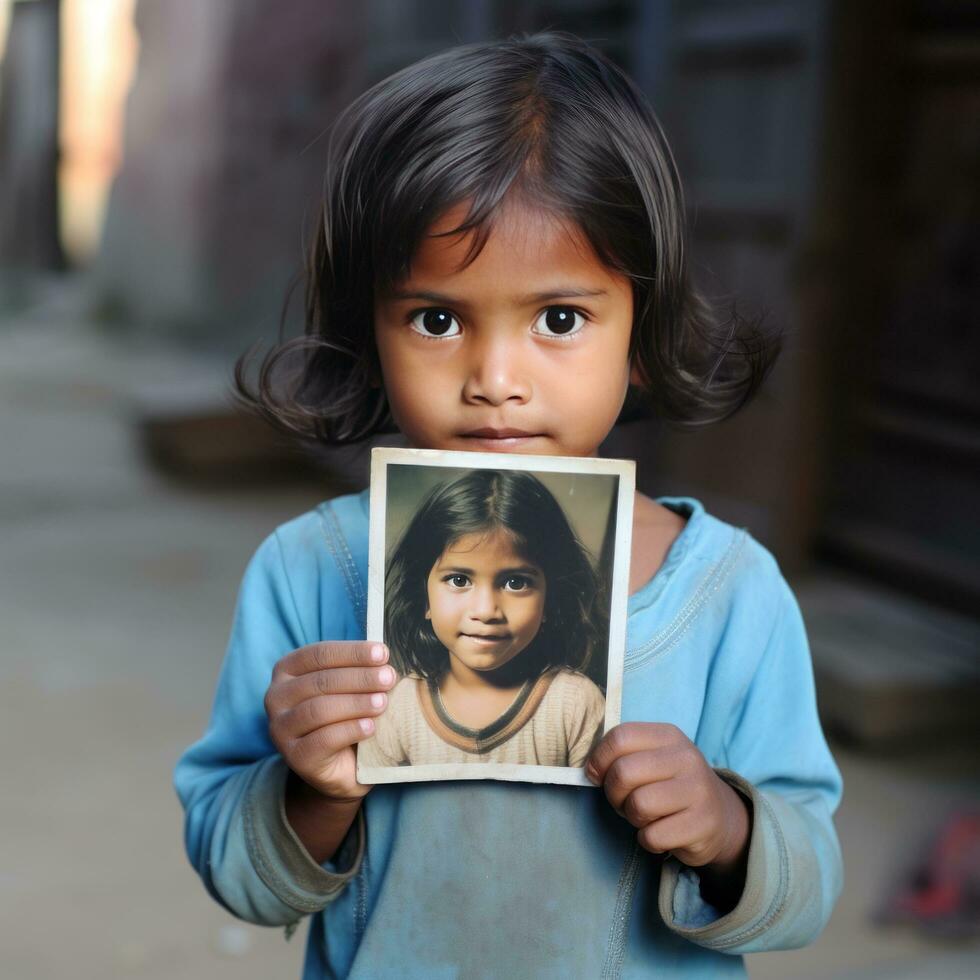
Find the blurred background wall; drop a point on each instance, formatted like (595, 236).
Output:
(160, 162)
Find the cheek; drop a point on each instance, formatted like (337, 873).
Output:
(530, 617)
(443, 608)
(415, 400)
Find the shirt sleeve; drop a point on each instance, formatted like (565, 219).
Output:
(232, 782)
(779, 760)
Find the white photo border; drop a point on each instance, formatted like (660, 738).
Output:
(381, 459)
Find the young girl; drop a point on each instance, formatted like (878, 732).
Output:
(492, 610)
(500, 254)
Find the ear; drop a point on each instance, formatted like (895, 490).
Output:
(636, 375)
(428, 614)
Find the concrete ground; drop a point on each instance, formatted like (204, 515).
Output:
(116, 590)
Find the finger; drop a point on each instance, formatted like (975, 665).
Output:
(313, 750)
(634, 736)
(326, 656)
(637, 769)
(677, 833)
(654, 801)
(314, 713)
(286, 694)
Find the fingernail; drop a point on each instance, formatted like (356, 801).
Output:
(386, 675)
(378, 700)
(591, 774)
(367, 725)
(377, 655)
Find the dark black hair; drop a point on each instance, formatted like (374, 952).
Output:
(576, 611)
(545, 117)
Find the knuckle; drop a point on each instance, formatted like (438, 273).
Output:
(650, 838)
(616, 776)
(323, 683)
(618, 739)
(321, 655)
(633, 809)
(311, 709)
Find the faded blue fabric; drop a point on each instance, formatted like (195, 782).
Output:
(493, 879)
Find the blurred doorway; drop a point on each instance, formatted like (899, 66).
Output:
(906, 475)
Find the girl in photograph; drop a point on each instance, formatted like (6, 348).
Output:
(492, 612)
(500, 255)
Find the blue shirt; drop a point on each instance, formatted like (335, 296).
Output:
(491, 879)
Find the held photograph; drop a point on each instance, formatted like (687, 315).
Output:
(499, 584)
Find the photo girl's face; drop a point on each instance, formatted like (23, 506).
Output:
(485, 601)
(524, 350)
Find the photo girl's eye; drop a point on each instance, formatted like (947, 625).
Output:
(518, 583)
(435, 323)
(457, 580)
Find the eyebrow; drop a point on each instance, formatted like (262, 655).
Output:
(559, 292)
(528, 570)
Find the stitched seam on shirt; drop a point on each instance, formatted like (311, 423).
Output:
(278, 885)
(361, 905)
(612, 966)
(671, 635)
(360, 593)
(668, 636)
(337, 544)
(778, 904)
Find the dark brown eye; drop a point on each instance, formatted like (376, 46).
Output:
(559, 321)
(435, 323)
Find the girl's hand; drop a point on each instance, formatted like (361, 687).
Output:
(323, 700)
(657, 779)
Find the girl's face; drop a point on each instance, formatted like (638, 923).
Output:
(486, 601)
(524, 350)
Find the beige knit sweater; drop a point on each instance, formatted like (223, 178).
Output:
(554, 721)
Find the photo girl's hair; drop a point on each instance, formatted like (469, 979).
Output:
(576, 610)
(549, 121)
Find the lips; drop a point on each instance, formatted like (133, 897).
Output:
(487, 637)
(491, 433)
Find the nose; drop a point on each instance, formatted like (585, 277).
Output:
(483, 604)
(496, 374)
